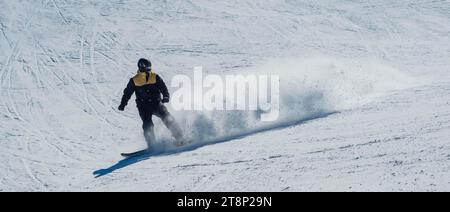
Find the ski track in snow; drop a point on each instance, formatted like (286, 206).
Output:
(64, 66)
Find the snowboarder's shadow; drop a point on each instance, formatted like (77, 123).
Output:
(157, 153)
(121, 164)
(133, 160)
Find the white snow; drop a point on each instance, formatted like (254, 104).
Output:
(365, 93)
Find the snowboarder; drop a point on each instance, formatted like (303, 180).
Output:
(149, 87)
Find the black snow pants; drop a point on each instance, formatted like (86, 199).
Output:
(146, 113)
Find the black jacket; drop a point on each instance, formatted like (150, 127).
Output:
(148, 87)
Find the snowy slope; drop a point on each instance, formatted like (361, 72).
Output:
(64, 64)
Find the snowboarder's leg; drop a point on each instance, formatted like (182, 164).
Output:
(147, 125)
(169, 121)
(149, 133)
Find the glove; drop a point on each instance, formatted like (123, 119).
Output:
(121, 108)
(165, 100)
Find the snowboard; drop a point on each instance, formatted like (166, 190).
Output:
(145, 151)
(135, 154)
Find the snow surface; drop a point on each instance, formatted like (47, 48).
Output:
(365, 93)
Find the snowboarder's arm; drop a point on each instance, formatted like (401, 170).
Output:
(163, 89)
(127, 93)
